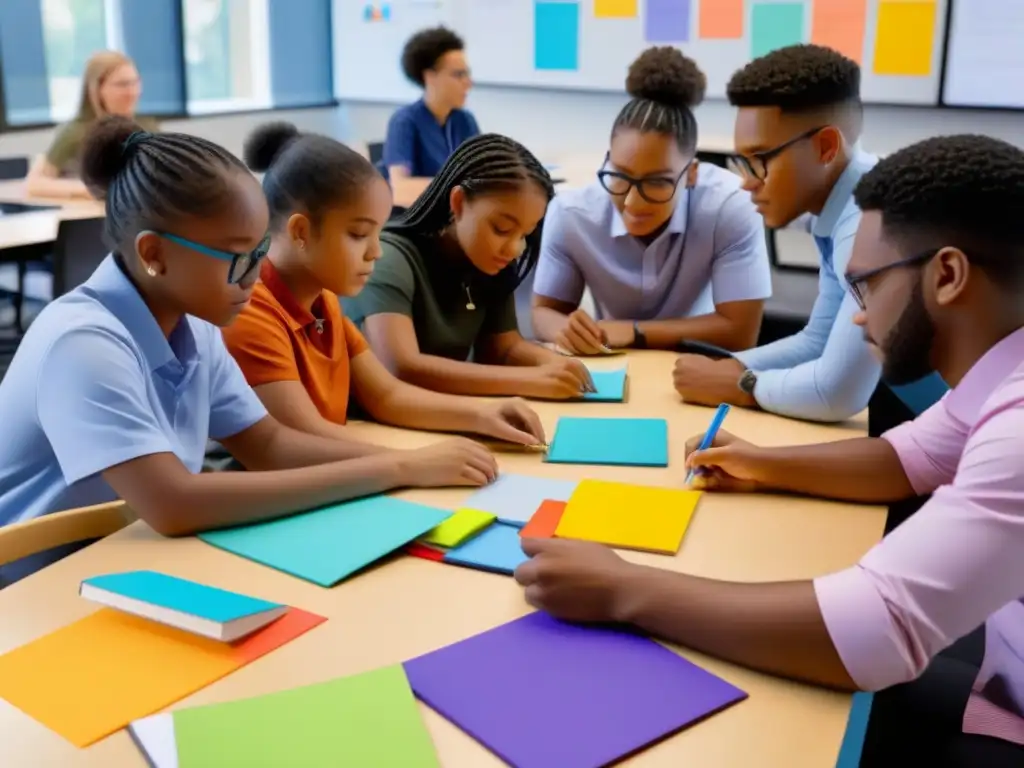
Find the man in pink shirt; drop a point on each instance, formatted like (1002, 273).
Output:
(938, 271)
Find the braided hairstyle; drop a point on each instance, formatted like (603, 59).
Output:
(482, 165)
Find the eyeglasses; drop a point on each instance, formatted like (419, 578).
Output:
(857, 280)
(756, 165)
(653, 189)
(457, 74)
(242, 264)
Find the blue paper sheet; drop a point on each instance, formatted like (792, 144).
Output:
(326, 545)
(497, 549)
(611, 386)
(619, 442)
(514, 498)
(181, 595)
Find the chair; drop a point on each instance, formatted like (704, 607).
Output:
(62, 528)
(13, 168)
(79, 249)
(376, 151)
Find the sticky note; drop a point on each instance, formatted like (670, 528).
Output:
(621, 442)
(463, 524)
(840, 25)
(667, 21)
(556, 31)
(721, 19)
(628, 516)
(93, 677)
(326, 545)
(424, 552)
(514, 498)
(905, 38)
(497, 549)
(775, 25)
(611, 386)
(544, 521)
(615, 9)
(541, 693)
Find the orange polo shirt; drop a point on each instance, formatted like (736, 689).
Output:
(275, 339)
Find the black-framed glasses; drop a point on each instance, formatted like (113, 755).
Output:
(756, 165)
(653, 189)
(242, 264)
(857, 280)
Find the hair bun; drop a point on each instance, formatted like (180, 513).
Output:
(663, 74)
(103, 155)
(266, 143)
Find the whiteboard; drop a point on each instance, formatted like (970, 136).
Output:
(985, 59)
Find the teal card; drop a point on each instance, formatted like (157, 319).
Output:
(326, 545)
(775, 25)
(556, 36)
(617, 442)
(497, 549)
(611, 386)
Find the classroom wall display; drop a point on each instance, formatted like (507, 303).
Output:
(985, 59)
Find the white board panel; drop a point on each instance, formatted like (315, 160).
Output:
(985, 61)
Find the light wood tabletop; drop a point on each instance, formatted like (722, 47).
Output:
(39, 227)
(406, 606)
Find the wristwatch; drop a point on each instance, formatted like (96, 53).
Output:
(747, 382)
(639, 340)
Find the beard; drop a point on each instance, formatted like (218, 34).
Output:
(907, 348)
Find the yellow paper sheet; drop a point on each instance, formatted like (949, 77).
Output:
(463, 524)
(615, 9)
(840, 25)
(628, 516)
(905, 38)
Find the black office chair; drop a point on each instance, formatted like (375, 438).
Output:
(79, 249)
(13, 168)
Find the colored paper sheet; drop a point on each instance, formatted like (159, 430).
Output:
(667, 21)
(775, 25)
(514, 498)
(181, 595)
(628, 516)
(544, 521)
(556, 32)
(366, 719)
(424, 552)
(721, 19)
(93, 677)
(329, 544)
(615, 9)
(905, 38)
(620, 442)
(463, 524)
(840, 25)
(543, 694)
(611, 386)
(497, 549)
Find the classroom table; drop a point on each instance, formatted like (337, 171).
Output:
(406, 606)
(38, 228)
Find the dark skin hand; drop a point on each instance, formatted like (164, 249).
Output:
(703, 381)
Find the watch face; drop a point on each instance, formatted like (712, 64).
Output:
(748, 381)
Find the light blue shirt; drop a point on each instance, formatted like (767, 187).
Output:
(711, 252)
(95, 383)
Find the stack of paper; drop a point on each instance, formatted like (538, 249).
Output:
(464, 524)
(623, 442)
(514, 498)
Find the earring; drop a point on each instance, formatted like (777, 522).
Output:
(302, 245)
(151, 270)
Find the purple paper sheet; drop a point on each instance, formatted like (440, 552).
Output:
(540, 693)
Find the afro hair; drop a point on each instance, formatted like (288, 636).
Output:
(425, 49)
(796, 78)
(664, 75)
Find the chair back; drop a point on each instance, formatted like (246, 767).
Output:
(79, 249)
(44, 533)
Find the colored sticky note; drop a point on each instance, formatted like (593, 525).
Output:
(628, 516)
(840, 25)
(615, 9)
(497, 549)
(326, 545)
(93, 677)
(556, 31)
(611, 386)
(514, 498)
(621, 442)
(181, 595)
(667, 21)
(424, 552)
(721, 19)
(538, 692)
(544, 521)
(462, 525)
(905, 38)
(775, 25)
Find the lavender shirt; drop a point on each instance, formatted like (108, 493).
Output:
(959, 561)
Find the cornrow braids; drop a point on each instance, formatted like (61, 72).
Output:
(647, 116)
(482, 165)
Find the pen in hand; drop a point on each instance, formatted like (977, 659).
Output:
(709, 436)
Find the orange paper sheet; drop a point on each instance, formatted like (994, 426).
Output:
(721, 19)
(91, 678)
(544, 521)
(840, 25)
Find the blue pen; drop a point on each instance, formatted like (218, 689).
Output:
(709, 436)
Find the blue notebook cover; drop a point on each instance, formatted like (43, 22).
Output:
(497, 549)
(617, 442)
(611, 386)
(326, 545)
(180, 595)
(514, 498)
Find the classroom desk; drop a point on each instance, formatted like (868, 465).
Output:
(38, 228)
(406, 606)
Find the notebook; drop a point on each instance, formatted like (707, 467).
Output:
(329, 544)
(619, 442)
(184, 604)
(497, 549)
(628, 516)
(367, 719)
(463, 524)
(544, 521)
(540, 693)
(611, 386)
(514, 498)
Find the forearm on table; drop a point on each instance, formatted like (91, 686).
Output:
(520, 352)
(788, 352)
(418, 408)
(50, 186)
(462, 378)
(712, 328)
(320, 442)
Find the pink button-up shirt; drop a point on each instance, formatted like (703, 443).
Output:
(959, 561)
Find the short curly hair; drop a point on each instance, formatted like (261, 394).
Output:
(796, 78)
(425, 49)
(965, 191)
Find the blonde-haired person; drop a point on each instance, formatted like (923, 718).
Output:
(110, 86)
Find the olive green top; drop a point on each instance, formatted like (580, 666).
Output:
(67, 143)
(414, 280)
